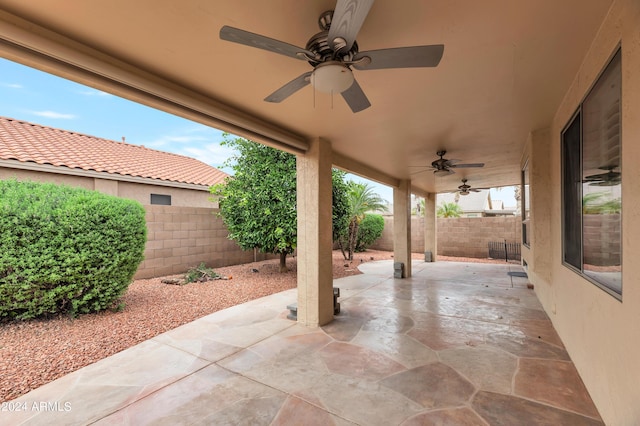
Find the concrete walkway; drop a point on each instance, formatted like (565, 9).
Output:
(458, 344)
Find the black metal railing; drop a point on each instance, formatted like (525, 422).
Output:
(504, 250)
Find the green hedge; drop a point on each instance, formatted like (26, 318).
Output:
(65, 250)
(369, 230)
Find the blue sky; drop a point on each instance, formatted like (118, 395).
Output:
(30, 95)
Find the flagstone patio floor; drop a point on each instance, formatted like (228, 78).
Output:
(456, 344)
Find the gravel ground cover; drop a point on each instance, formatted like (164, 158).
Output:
(36, 352)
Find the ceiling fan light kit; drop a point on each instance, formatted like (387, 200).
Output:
(332, 77)
(333, 51)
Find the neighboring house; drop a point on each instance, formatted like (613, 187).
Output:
(39, 153)
(174, 190)
(475, 204)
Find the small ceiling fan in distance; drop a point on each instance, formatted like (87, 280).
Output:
(442, 166)
(465, 189)
(610, 178)
(333, 52)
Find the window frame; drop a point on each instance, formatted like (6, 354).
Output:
(158, 197)
(525, 213)
(576, 220)
(578, 114)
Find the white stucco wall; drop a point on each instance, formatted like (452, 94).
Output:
(601, 333)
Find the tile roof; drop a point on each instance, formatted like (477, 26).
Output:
(29, 142)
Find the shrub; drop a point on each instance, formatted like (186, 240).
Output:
(65, 249)
(369, 231)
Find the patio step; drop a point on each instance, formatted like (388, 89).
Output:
(293, 307)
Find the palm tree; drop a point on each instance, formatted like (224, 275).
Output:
(449, 210)
(362, 199)
(600, 203)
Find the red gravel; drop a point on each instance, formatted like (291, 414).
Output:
(36, 352)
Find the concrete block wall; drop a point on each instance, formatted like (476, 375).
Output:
(601, 239)
(461, 237)
(179, 238)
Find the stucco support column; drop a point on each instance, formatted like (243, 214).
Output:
(402, 226)
(540, 172)
(315, 272)
(430, 226)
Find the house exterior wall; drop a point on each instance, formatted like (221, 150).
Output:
(180, 197)
(59, 179)
(141, 192)
(601, 333)
(462, 237)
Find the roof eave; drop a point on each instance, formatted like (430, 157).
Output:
(48, 168)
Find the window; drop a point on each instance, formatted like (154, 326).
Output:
(163, 200)
(571, 198)
(591, 184)
(524, 206)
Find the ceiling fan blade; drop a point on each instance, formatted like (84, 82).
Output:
(460, 166)
(449, 163)
(603, 176)
(605, 183)
(290, 88)
(439, 172)
(348, 17)
(400, 57)
(355, 98)
(247, 38)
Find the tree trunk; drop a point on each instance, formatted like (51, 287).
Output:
(353, 237)
(341, 245)
(283, 262)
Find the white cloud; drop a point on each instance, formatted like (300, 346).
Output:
(13, 85)
(53, 114)
(195, 141)
(212, 153)
(94, 93)
(185, 139)
(172, 143)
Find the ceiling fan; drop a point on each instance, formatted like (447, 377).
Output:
(442, 166)
(333, 52)
(610, 178)
(465, 189)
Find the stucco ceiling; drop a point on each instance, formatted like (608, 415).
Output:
(505, 68)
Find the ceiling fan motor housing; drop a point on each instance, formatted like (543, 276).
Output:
(322, 51)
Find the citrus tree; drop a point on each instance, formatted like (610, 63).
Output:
(258, 202)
